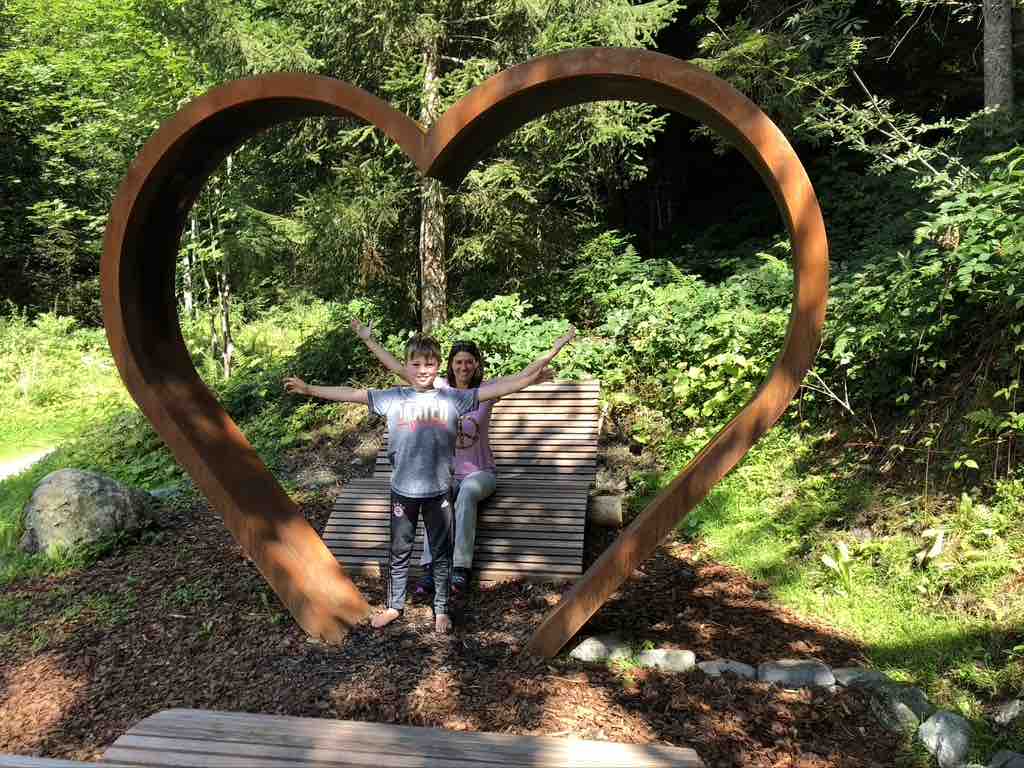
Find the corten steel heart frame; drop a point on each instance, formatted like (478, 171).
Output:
(149, 214)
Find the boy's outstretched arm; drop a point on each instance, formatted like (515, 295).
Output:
(340, 394)
(495, 388)
(389, 361)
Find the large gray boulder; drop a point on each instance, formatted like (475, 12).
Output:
(72, 507)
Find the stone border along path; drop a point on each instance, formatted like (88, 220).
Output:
(900, 708)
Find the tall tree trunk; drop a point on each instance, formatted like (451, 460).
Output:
(187, 291)
(433, 283)
(998, 53)
(227, 342)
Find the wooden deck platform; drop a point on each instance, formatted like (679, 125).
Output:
(188, 738)
(544, 441)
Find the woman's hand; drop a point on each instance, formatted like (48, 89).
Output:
(295, 385)
(364, 332)
(563, 340)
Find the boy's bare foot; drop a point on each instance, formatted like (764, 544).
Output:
(384, 618)
(442, 623)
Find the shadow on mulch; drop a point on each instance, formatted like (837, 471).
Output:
(186, 622)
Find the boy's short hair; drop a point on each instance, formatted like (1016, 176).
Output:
(425, 346)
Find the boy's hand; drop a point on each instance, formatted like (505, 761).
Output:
(296, 386)
(364, 332)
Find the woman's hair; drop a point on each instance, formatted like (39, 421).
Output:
(426, 346)
(474, 350)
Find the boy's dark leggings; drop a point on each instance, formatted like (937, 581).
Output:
(438, 520)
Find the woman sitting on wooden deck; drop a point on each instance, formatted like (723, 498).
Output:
(475, 470)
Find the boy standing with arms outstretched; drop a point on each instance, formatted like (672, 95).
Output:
(422, 426)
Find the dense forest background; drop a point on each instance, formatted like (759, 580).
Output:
(895, 473)
(585, 215)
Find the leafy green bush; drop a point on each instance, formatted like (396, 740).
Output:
(698, 351)
(510, 338)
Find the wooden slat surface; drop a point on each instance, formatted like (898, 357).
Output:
(182, 738)
(19, 761)
(544, 442)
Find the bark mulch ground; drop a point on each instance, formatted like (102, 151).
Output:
(183, 620)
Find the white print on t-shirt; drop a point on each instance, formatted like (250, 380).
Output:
(415, 414)
(469, 432)
(398, 509)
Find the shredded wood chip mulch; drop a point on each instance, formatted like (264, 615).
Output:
(187, 622)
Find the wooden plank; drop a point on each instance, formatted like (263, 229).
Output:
(525, 450)
(485, 527)
(482, 554)
(528, 447)
(521, 492)
(562, 549)
(23, 761)
(541, 508)
(571, 498)
(533, 416)
(566, 506)
(548, 441)
(527, 456)
(577, 407)
(539, 465)
(487, 573)
(483, 563)
(585, 393)
(561, 386)
(513, 542)
(541, 521)
(495, 541)
(193, 738)
(571, 472)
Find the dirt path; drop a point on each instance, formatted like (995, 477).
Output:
(14, 466)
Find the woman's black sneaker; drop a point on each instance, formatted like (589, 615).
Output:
(423, 592)
(460, 581)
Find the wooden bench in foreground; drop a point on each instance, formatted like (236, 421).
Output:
(544, 441)
(189, 738)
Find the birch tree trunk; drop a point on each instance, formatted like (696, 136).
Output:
(227, 342)
(433, 283)
(998, 53)
(187, 291)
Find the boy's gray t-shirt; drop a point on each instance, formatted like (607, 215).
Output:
(421, 435)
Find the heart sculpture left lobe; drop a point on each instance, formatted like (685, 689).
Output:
(149, 214)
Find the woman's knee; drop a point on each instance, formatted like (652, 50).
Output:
(475, 489)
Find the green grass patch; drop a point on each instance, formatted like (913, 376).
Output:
(928, 590)
(58, 384)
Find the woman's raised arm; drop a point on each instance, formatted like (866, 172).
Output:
(541, 362)
(506, 385)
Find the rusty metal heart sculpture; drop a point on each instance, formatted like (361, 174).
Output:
(149, 214)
